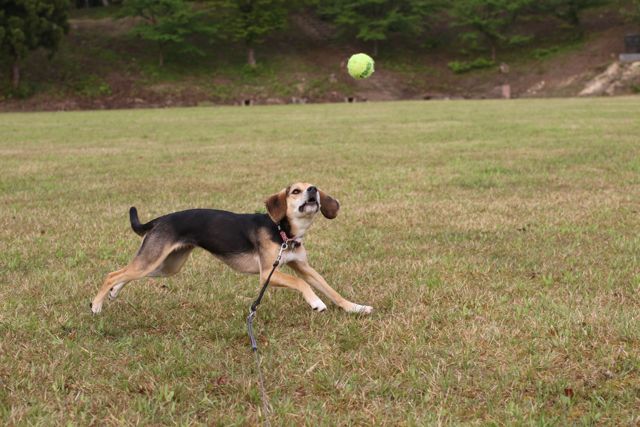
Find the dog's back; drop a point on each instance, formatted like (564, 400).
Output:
(219, 232)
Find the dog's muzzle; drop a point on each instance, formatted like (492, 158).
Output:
(309, 205)
(311, 202)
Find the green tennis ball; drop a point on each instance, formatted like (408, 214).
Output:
(360, 66)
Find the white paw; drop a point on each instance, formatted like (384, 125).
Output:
(361, 309)
(113, 293)
(318, 305)
(96, 307)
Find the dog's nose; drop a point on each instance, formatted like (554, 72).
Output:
(312, 190)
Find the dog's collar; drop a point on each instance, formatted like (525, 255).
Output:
(291, 242)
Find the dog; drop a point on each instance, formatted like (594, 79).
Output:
(248, 243)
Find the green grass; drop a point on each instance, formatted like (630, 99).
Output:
(497, 241)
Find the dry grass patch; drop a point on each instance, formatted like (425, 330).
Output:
(498, 242)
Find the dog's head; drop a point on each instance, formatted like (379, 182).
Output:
(300, 202)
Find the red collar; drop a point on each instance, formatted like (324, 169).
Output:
(292, 241)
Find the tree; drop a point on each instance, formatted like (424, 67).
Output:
(251, 21)
(375, 20)
(26, 25)
(91, 3)
(569, 10)
(167, 23)
(634, 11)
(489, 21)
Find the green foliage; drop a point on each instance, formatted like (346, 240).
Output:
(519, 39)
(251, 21)
(167, 23)
(460, 67)
(632, 11)
(93, 87)
(549, 51)
(26, 25)
(376, 20)
(489, 22)
(568, 11)
(23, 91)
(542, 53)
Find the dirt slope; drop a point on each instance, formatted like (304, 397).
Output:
(101, 66)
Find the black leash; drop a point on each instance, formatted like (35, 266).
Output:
(252, 338)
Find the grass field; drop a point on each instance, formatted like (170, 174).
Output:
(498, 242)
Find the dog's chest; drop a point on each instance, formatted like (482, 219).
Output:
(297, 254)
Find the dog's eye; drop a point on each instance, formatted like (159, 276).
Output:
(296, 191)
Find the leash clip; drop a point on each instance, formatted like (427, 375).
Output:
(283, 247)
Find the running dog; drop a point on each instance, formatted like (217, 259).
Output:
(248, 243)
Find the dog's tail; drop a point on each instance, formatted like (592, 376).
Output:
(140, 229)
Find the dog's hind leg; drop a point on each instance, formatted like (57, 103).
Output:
(113, 280)
(171, 265)
(113, 292)
(150, 256)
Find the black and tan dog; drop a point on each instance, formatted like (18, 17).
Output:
(249, 243)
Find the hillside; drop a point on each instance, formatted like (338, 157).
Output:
(100, 65)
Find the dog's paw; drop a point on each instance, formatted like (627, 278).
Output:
(360, 309)
(113, 292)
(95, 308)
(318, 305)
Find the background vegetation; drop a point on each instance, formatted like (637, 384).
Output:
(470, 32)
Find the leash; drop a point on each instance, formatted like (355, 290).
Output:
(287, 243)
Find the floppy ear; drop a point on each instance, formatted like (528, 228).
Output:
(328, 205)
(277, 206)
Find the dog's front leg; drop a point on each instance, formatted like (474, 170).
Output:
(317, 281)
(286, 280)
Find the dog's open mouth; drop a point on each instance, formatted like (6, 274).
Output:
(312, 204)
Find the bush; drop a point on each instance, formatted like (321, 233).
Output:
(23, 91)
(460, 67)
(542, 53)
(93, 87)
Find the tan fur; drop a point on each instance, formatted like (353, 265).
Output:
(248, 263)
(173, 263)
(148, 260)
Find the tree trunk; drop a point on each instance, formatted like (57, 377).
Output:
(574, 18)
(15, 74)
(375, 48)
(105, 3)
(251, 57)
(160, 57)
(493, 52)
(86, 4)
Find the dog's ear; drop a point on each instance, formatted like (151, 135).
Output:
(328, 205)
(277, 206)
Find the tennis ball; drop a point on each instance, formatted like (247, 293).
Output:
(360, 66)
